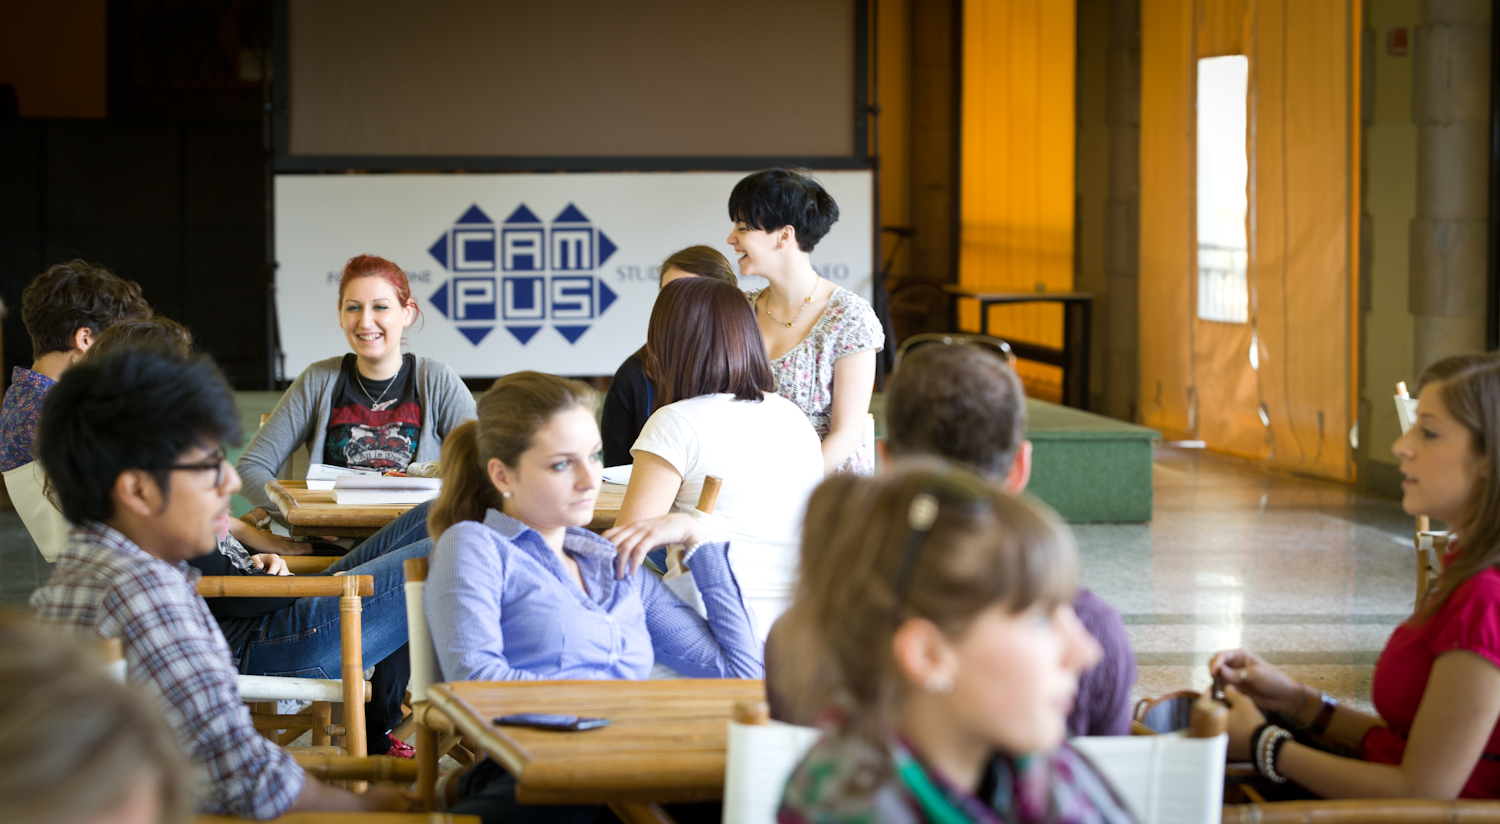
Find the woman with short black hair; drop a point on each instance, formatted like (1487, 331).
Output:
(821, 337)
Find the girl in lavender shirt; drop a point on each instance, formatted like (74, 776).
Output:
(519, 590)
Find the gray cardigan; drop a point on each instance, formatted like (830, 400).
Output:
(301, 418)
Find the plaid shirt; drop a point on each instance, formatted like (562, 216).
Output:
(104, 586)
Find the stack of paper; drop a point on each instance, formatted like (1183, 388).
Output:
(391, 490)
(322, 476)
(616, 478)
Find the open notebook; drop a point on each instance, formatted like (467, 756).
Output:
(1163, 779)
(761, 758)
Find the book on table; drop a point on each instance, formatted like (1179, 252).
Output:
(384, 490)
(616, 478)
(321, 477)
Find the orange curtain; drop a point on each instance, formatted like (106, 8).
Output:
(1291, 402)
(1016, 201)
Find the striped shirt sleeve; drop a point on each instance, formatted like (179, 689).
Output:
(175, 653)
(462, 599)
(725, 645)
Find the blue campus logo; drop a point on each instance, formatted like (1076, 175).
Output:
(544, 274)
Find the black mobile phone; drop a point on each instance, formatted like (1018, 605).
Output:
(544, 721)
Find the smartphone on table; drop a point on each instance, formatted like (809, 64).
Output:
(546, 721)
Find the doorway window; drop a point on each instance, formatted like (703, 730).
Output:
(1223, 178)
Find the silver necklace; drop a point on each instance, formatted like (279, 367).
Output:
(375, 404)
(789, 323)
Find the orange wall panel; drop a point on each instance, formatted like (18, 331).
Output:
(1017, 199)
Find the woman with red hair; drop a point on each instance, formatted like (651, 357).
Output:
(375, 407)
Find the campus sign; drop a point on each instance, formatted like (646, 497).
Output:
(562, 282)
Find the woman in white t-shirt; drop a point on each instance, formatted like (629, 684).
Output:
(717, 413)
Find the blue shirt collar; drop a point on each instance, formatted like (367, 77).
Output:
(578, 541)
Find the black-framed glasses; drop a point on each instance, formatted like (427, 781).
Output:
(214, 463)
(954, 488)
(997, 346)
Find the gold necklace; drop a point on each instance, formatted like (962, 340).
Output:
(789, 323)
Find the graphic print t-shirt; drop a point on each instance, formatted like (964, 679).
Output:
(374, 424)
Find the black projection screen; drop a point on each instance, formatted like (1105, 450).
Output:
(589, 84)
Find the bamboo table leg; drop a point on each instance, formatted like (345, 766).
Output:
(426, 744)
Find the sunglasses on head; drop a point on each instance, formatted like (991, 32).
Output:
(998, 347)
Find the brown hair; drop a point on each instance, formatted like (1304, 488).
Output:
(963, 403)
(510, 413)
(74, 295)
(702, 339)
(74, 743)
(158, 333)
(703, 261)
(984, 548)
(1469, 386)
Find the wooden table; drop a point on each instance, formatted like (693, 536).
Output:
(312, 513)
(665, 743)
(1073, 357)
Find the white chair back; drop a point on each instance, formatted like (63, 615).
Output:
(424, 665)
(1163, 779)
(761, 758)
(26, 485)
(1406, 407)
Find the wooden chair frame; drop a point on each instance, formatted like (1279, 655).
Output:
(379, 768)
(354, 688)
(1430, 545)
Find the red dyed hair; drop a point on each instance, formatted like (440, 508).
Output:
(371, 266)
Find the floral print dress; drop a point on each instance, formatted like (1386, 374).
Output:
(804, 375)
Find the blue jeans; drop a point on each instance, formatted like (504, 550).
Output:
(303, 639)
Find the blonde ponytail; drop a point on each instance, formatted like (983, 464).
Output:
(510, 413)
(467, 491)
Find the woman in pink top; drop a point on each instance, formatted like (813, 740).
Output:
(1437, 682)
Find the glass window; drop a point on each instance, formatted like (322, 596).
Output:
(1223, 177)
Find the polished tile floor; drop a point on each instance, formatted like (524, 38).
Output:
(1305, 572)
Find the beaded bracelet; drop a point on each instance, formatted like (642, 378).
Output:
(688, 553)
(1265, 747)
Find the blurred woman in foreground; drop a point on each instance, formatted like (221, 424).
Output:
(940, 607)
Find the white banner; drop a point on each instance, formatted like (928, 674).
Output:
(553, 272)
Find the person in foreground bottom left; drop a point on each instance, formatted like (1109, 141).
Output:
(133, 445)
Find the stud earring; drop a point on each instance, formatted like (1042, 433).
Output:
(939, 684)
(505, 494)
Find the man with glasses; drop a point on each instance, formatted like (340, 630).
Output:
(134, 447)
(965, 403)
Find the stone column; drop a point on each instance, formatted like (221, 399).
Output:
(1449, 237)
(1122, 210)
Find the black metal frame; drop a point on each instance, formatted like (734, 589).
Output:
(283, 162)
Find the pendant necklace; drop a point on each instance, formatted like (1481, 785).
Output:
(375, 403)
(789, 323)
